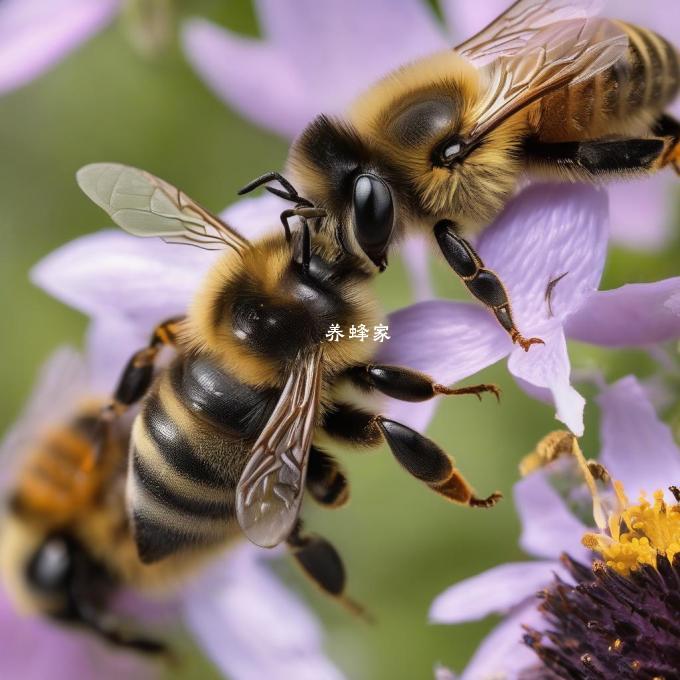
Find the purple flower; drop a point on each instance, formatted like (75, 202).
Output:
(317, 57)
(246, 621)
(545, 233)
(37, 34)
(637, 449)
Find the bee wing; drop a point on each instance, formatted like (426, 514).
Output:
(561, 54)
(145, 205)
(61, 382)
(269, 493)
(510, 32)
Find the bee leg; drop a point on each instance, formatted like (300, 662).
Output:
(430, 464)
(585, 159)
(326, 481)
(137, 375)
(483, 283)
(409, 385)
(320, 561)
(135, 380)
(669, 128)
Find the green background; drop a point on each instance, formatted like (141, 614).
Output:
(402, 545)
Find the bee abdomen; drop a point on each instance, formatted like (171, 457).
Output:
(624, 99)
(651, 75)
(177, 500)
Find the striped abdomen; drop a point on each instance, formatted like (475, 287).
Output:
(189, 446)
(625, 99)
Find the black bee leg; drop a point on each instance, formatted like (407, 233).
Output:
(422, 458)
(597, 157)
(669, 128)
(326, 482)
(409, 385)
(135, 379)
(105, 628)
(483, 283)
(138, 373)
(321, 562)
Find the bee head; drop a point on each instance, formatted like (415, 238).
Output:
(341, 173)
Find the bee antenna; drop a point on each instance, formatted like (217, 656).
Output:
(306, 246)
(289, 192)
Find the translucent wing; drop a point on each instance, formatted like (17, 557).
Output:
(510, 32)
(269, 493)
(62, 381)
(559, 55)
(145, 205)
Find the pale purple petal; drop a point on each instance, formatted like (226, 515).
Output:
(36, 34)
(449, 341)
(653, 14)
(316, 57)
(637, 448)
(548, 527)
(495, 591)
(111, 341)
(633, 315)
(545, 231)
(35, 649)
(255, 217)
(144, 280)
(253, 77)
(641, 210)
(502, 653)
(252, 626)
(416, 252)
(464, 18)
(548, 366)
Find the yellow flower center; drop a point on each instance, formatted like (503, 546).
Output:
(638, 534)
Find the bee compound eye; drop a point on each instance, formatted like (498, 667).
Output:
(51, 565)
(373, 216)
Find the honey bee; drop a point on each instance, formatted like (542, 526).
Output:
(439, 145)
(65, 542)
(230, 433)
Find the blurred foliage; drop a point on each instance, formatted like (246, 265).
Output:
(402, 544)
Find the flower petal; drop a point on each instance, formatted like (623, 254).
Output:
(548, 366)
(252, 626)
(464, 19)
(447, 340)
(548, 528)
(502, 653)
(255, 217)
(641, 210)
(144, 280)
(34, 649)
(637, 448)
(36, 34)
(632, 315)
(252, 77)
(494, 591)
(111, 341)
(278, 85)
(546, 231)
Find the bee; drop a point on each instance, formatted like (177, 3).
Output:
(439, 145)
(66, 547)
(230, 433)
